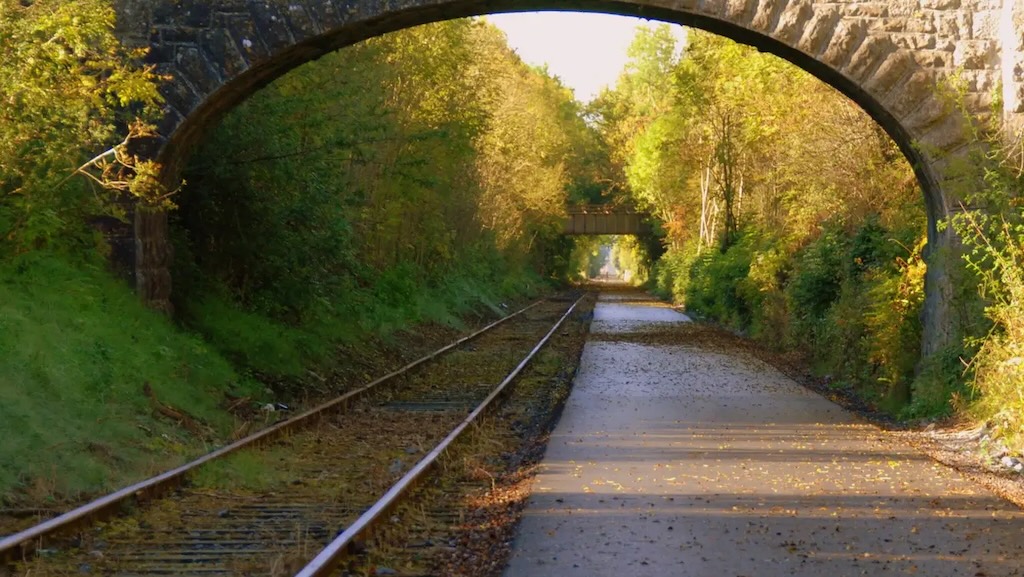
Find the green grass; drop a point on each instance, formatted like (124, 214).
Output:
(253, 341)
(244, 470)
(76, 349)
(282, 352)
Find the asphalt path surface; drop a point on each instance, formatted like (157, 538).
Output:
(687, 460)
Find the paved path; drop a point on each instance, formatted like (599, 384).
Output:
(677, 460)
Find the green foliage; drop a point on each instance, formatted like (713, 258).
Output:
(586, 258)
(406, 179)
(670, 274)
(846, 292)
(764, 288)
(593, 256)
(718, 288)
(817, 279)
(940, 388)
(78, 347)
(631, 257)
(67, 86)
(992, 229)
(788, 214)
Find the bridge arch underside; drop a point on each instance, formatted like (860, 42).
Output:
(886, 55)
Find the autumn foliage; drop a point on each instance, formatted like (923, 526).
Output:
(788, 214)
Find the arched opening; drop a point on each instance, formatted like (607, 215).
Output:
(388, 253)
(856, 53)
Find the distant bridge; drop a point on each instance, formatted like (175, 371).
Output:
(594, 219)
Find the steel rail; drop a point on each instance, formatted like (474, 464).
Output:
(331, 556)
(20, 545)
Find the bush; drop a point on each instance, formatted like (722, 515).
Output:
(670, 275)
(893, 321)
(817, 281)
(994, 239)
(769, 273)
(856, 295)
(718, 286)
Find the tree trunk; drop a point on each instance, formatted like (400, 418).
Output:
(706, 234)
(153, 253)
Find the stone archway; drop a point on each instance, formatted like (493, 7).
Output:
(886, 55)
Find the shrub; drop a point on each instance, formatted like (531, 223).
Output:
(893, 321)
(719, 288)
(769, 272)
(670, 275)
(996, 254)
(856, 295)
(816, 282)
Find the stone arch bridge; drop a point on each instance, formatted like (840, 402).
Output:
(887, 55)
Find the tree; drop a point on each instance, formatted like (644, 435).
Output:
(67, 89)
(392, 162)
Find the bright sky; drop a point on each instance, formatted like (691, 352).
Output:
(586, 50)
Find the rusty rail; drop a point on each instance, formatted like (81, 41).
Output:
(21, 545)
(337, 550)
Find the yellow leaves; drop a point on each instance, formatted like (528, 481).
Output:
(127, 88)
(65, 81)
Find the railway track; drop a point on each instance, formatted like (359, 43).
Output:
(268, 505)
(461, 522)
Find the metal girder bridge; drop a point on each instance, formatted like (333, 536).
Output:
(600, 219)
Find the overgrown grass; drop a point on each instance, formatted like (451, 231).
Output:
(76, 351)
(247, 470)
(398, 300)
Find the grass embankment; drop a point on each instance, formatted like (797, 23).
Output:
(282, 352)
(77, 351)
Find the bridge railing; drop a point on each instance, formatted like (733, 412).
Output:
(601, 209)
(602, 219)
